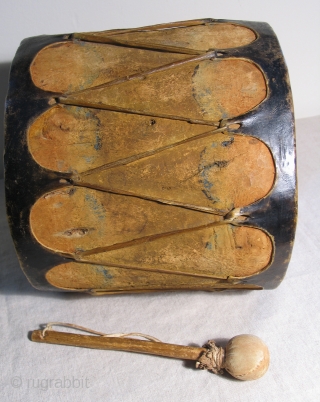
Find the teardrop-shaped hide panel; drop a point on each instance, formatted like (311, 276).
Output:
(208, 90)
(217, 172)
(221, 251)
(199, 37)
(73, 220)
(66, 67)
(71, 139)
(82, 276)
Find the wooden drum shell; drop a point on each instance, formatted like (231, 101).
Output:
(149, 231)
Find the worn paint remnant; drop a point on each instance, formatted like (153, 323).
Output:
(228, 143)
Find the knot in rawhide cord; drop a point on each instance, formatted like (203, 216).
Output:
(212, 359)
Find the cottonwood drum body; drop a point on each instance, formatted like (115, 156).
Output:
(156, 158)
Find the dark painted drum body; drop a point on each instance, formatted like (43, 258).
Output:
(150, 159)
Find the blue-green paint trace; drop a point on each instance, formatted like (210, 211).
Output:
(89, 159)
(95, 206)
(106, 274)
(98, 143)
(204, 169)
(209, 245)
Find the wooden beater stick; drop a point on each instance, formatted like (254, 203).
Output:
(245, 357)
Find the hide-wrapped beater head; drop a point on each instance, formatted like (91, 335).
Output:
(245, 357)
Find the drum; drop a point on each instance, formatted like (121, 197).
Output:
(151, 159)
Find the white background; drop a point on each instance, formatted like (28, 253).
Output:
(296, 23)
